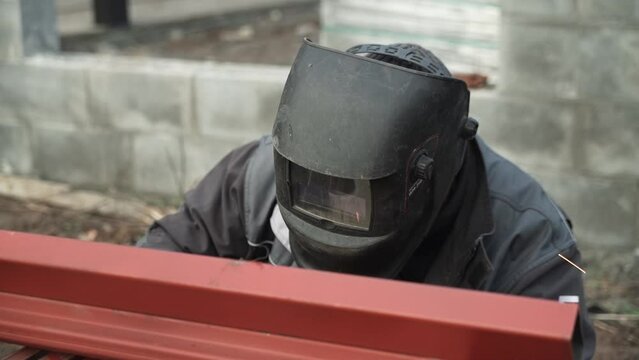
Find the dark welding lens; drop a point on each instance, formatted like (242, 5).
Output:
(342, 201)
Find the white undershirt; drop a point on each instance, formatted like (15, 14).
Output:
(279, 227)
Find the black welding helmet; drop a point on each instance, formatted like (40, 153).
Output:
(365, 154)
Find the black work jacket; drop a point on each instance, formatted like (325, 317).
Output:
(505, 238)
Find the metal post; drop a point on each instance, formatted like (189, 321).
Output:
(27, 27)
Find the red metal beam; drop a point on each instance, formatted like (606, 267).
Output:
(95, 331)
(54, 276)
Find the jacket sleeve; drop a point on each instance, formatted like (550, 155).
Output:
(554, 278)
(211, 219)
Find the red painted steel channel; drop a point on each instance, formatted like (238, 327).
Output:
(112, 301)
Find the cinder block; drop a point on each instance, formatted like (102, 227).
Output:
(141, 95)
(608, 139)
(81, 157)
(158, 164)
(539, 9)
(617, 10)
(241, 99)
(43, 92)
(609, 64)
(527, 132)
(15, 150)
(203, 152)
(539, 60)
(603, 210)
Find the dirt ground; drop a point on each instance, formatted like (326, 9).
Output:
(39, 218)
(267, 36)
(272, 36)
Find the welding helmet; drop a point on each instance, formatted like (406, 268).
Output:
(365, 153)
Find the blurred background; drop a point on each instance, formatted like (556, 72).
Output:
(111, 110)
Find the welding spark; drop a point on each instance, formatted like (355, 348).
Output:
(572, 263)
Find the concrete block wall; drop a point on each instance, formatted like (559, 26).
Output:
(567, 109)
(566, 102)
(145, 125)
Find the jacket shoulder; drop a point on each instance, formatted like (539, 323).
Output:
(530, 229)
(259, 190)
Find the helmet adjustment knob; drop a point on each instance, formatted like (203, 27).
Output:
(424, 167)
(469, 130)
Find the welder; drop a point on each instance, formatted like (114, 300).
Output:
(374, 168)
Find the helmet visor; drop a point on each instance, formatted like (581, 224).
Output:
(345, 202)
